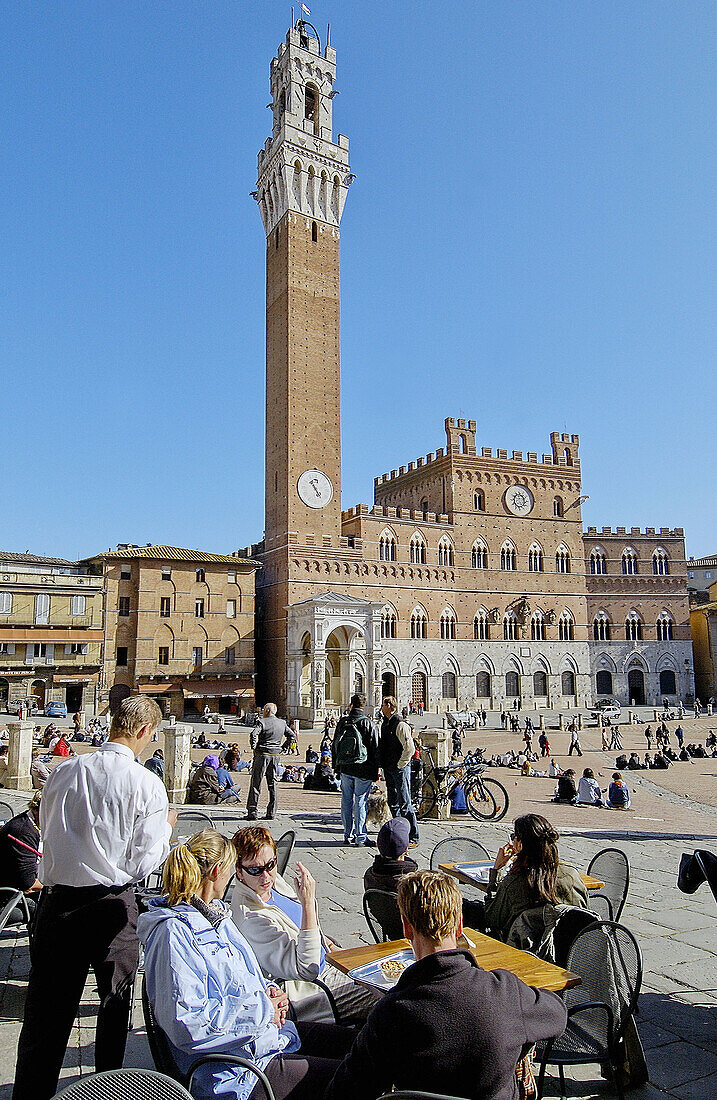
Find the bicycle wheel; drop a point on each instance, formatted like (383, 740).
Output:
(428, 800)
(493, 791)
(480, 801)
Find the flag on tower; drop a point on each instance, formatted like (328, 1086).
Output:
(305, 9)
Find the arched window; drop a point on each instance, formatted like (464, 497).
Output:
(507, 556)
(557, 506)
(482, 685)
(633, 627)
(448, 623)
(567, 683)
(388, 622)
(660, 563)
(311, 105)
(387, 546)
(668, 682)
(566, 627)
(419, 623)
(479, 555)
(479, 501)
(535, 558)
(629, 562)
(417, 548)
(598, 562)
(601, 627)
(445, 551)
(540, 683)
(448, 685)
(562, 559)
(314, 232)
(603, 682)
(510, 626)
(512, 685)
(537, 626)
(481, 627)
(665, 627)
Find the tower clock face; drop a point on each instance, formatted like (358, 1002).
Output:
(315, 488)
(519, 500)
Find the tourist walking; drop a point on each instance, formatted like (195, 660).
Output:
(575, 745)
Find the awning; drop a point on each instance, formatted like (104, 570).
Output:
(48, 634)
(212, 689)
(213, 693)
(158, 689)
(62, 679)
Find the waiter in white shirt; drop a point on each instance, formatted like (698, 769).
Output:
(105, 823)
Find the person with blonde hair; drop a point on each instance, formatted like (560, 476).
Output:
(447, 1026)
(208, 992)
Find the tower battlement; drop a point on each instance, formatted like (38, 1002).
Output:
(635, 532)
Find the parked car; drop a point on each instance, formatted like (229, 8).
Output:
(55, 709)
(29, 707)
(608, 708)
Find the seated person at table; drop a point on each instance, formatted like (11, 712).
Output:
(208, 993)
(282, 925)
(447, 1026)
(391, 863)
(618, 795)
(20, 855)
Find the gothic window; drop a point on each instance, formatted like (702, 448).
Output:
(567, 683)
(479, 501)
(633, 627)
(668, 684)
(507, 556)
(419, 623)
(665, 628)
(387, 547)
(417, 549)
(537, 626)
(557, 506)
(481, 628)
(448, 623)
(598, 563)
(388, 622)
(311, 105)
(601, 627)
(535, 558)
(629, 562)
(540, 683)
(445, 551)
(510, 626)
(483, 685)
(660, 563)
(603, 682)
(562, 559)
(566, 627)
(479, 555)
(314, 232)
(512, 685)
(448, 685)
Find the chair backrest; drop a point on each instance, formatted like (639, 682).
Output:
(458, 849)
(6, 812)
(380, 908)
(284, 848)
(607, 958)
(125, 1084)
(160, 1049)
(613, 867)
(190, 822)
(12, 900)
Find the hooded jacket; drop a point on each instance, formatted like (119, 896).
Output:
(208, 995)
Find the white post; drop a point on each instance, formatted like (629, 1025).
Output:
(19, 756)
(177, 758)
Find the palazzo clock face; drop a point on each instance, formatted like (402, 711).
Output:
(315, 488)
(519, 500)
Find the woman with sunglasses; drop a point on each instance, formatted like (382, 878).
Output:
(209, 995)
(282, 925)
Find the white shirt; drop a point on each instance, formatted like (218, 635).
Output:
(103, 820)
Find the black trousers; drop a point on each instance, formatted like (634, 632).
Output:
(306, 1074)
(263, 765)
(77, 929)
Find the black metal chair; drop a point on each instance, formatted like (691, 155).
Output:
(190, 822)
(125, 1084)
(695, 869)
(612, 866)
(6, 812)
(607, 958)
(284, 848)
(458, 849)
(15, 912)
(164, 1059)
(380, 908)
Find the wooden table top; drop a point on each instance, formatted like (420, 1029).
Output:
(490, 954)
(462, 876)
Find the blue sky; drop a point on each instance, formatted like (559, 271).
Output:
(530, 242)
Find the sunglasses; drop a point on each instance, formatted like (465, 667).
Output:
(256, 871)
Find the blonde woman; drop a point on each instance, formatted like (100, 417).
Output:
(208, 992)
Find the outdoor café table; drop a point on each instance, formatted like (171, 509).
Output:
(476, 874)
(490, 954)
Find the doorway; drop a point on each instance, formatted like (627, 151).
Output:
(636, 686)
(418, 688)
(73, 697)
(37, 692)
(388, 685)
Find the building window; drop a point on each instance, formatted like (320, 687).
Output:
(199, 609)
(567, 683)
(230, 655)
(448, 623)
(232, 576)
(633, 627)
(7, 649)
(388, 623)
(166, 572)
(603, 682)
(481, 628)
(197, 655)
(507, 556)
(5, 603)
(42, 607)
(163, 655)
(75, 649)
(419, 623)
(448, 685)
(126, 572)
(77, 605)
(510, 626)
(566, 627)
(479, 555)
(231, 609)
(199, 575)
(661, 563)
(537, 626)
(665, 627)
(479, 501)
(558, 506)
(482, 685)
(629, 562)
(512, 685)
(562, 560)
(601, 627)
(387, 547)
(311, 105)
(424, 507)
(165, 607)
(668, 682)
(39, 649)
(123, 606)
(535, 558)
(314, 232)
(598, 562)
(417, 549)
(445, 552)
(122, 656)
(540, 683)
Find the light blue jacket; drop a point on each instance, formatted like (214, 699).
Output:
(207, 992)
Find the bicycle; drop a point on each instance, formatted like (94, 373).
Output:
(486, 798)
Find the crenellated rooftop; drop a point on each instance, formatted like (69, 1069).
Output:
(635, 532)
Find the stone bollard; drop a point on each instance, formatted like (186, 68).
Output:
(541, 722)
(438, 741)
(177, 758)
(561, 721)
(19, 757)
(173, 719)
(580, 719)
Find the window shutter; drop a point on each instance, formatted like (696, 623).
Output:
(50, 651)
(68, 648)
(85, 647)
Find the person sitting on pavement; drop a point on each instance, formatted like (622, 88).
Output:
(282, 925)
(39, 771)
(633, 763)
(554, 770)
(447, 1026)
(20, 855)
(156, 764)
(192, 946)
(204, 788)
(60, 747)
(322, 778)
(618, 795)
(226, 783)
(312, 756)
(660, 762)
(566, 788)
(589, 793)
(390, 863)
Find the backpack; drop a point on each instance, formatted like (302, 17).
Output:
(349, 746)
